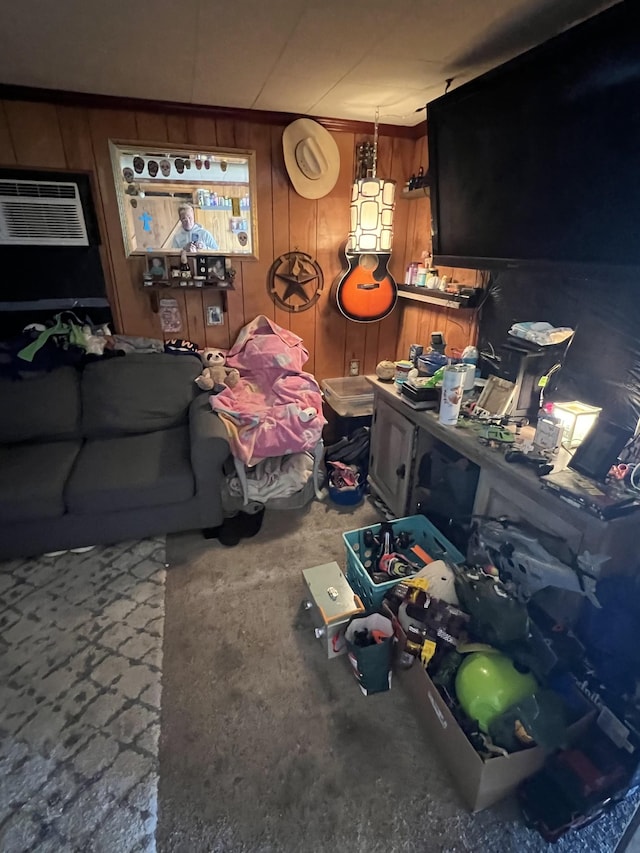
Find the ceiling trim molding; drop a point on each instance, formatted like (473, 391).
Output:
(64, 97)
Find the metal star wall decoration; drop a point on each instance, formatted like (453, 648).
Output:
(295, 281)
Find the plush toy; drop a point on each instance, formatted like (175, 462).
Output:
(214, 374)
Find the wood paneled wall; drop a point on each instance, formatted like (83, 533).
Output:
(48, 135)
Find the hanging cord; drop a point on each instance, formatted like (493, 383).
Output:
(375, 142)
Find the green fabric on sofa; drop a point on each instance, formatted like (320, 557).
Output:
(32, 479)
(132, 471)
(136, 394)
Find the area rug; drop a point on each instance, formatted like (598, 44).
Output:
(80, 675)
(269, 747)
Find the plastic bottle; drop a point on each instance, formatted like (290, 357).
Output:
(470, 355)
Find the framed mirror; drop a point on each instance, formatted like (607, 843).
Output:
(175, 199)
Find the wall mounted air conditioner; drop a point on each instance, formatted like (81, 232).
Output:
(41, 213)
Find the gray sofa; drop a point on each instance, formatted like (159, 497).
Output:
(126, 448)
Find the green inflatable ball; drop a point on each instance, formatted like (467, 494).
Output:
(487, 683)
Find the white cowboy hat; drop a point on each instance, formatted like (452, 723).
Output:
(311, 157)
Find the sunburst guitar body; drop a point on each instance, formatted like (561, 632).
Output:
(366, 292)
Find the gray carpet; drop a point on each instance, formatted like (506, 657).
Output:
(80, 663)
(268, 747)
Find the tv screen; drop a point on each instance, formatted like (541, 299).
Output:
(538, 161)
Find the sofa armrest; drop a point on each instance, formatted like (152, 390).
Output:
(209, 450)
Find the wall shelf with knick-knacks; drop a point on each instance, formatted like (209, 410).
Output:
(212, 273)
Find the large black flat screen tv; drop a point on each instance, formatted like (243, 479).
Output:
(537, 162)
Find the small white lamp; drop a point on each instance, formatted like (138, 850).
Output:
(371, 215)
(577, 419)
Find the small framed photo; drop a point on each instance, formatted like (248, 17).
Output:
(215, 315)
(216, 268)
(157, 266)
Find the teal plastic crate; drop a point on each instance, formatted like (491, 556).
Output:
(359, 557)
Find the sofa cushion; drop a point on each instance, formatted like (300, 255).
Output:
(32, 479)
(44, 406)
(131, 471)
(137, 394)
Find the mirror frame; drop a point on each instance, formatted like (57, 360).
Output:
(120, 146)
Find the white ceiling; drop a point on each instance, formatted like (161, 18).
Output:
(334, 58)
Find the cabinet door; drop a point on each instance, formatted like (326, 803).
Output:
(391, 458)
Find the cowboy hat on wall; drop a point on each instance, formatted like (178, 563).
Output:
(311, 157)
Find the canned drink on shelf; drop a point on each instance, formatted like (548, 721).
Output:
(402, 371)
(415, 350)
(452, 390)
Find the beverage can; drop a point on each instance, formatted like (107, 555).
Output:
(452, 390)
(415, 350)
(402, 371)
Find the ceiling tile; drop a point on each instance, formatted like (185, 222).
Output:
(387, 71)
(287, 93)
(237, 50)
(103, 48)
(327, 57)
(358, 101)
(335, 35)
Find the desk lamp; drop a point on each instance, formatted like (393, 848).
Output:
(577, 419)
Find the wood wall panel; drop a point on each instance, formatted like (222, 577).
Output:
(34, 134)
(280, 210)
(332, 226)
(152, 127)
(79, 155)
(176, 128)
(7, 152)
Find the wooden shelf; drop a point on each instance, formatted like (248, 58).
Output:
(188, 284)
(420, 192)
(435, 297)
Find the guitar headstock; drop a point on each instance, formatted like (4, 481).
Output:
(364, 160)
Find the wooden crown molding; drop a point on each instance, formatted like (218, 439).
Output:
(115, 102)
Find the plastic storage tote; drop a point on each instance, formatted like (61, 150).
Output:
(349, 396)
(359, 557)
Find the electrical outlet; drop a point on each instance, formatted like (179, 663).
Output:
(354, 367)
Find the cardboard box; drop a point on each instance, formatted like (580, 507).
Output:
(480, 783)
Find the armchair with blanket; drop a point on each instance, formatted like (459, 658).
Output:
(274, 411)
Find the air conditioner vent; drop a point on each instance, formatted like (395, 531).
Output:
(41, 213)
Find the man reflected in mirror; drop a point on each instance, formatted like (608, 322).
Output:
(191, 236)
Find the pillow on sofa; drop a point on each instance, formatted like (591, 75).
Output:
(42, 406)
(138, 393)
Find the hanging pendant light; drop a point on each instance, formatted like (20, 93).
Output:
(372, 203)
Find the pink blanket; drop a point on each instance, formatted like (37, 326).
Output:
(275, 408)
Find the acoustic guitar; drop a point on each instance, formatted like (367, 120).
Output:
(366, 292)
